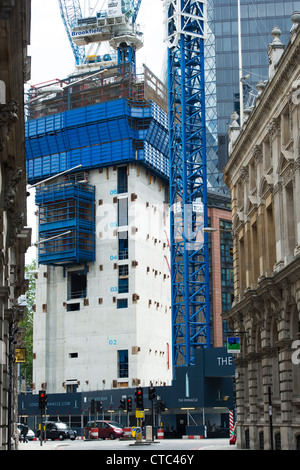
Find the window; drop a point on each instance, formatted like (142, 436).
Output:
(226, 301)
(73, 355)
(122, 303)
(123, 363)
(226, 229)
(123, 245)
(227, 276)
(73, 307)
(77, 283)
(122, 180)
(72, 388)
(123, 282)
(226, 253)
(122, 212)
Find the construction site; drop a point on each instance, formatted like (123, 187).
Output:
(118, 162)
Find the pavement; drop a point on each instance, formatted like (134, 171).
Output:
(206, 444)
(36, 445)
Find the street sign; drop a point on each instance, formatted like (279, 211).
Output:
(234, 345)
(20, 354)
(139, 414)
(138, 434)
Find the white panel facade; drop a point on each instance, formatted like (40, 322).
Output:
(123, 301)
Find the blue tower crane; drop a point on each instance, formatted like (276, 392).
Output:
(71, 12)
(136, 7)
(186, 21)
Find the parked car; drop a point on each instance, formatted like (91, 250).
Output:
(106, 429)
(58, 430)
(30, 433)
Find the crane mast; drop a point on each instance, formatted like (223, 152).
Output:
(70, 11)
(186, 32)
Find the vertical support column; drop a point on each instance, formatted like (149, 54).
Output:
(188, 178)
(295, 123)
(297, 202)
(240, 399)
(247, 252)
(275, 150)
(262, 240)
(253, 403)
(279, 229)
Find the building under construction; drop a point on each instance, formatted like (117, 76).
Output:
(97, 151)
(97, 147)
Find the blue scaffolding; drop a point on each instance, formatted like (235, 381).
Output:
(188, 179)
(66, 223)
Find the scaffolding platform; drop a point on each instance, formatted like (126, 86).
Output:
(66, 223)
(95, 121)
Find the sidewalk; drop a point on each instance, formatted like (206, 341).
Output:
(36, 445)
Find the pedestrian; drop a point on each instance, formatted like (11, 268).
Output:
(24, 433)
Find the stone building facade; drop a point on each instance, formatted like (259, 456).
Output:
(14, 235)
(263, 175)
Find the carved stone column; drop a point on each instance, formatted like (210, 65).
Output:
(297, 202)
(8, 117)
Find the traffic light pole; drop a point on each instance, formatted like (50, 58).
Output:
(41, 433)
(152, 410)
(151, 396)
(42, 407)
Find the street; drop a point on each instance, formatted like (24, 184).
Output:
(110, 446)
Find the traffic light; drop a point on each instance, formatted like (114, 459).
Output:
(160, 406)
(139, 400)
(123, 404)
(129, 404)
(99, 406)
(42, 399)
(151, 393)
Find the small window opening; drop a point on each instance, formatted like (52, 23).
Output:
(77, 284)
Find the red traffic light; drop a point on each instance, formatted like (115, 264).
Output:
(139, 398)
(42, 400)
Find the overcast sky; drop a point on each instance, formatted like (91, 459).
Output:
(52, 56)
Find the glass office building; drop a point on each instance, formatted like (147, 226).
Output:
(258, 18)
(213, 174)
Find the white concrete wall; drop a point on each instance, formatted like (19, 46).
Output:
(98, 330)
